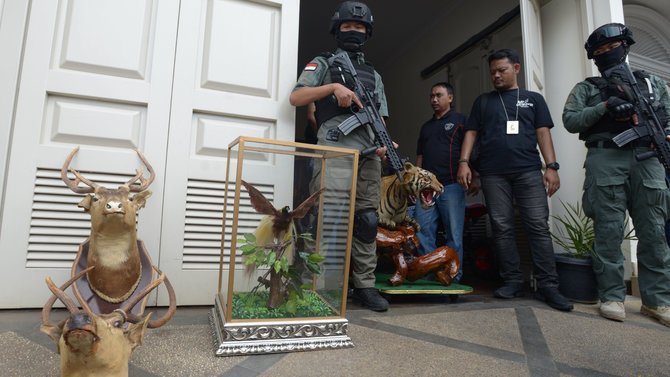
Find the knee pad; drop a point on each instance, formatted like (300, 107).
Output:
(365, 225)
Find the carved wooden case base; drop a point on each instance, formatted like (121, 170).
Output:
(258, 337)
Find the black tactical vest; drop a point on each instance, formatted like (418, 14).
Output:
(618, 88)
(327, 107)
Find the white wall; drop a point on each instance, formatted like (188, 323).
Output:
(565, 65)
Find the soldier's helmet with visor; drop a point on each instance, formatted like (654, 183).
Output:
(352, 11)
(608, 33)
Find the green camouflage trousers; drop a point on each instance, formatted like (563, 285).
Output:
(337, 180)
(616, 182)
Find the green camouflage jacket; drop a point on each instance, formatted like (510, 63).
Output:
(585, 106)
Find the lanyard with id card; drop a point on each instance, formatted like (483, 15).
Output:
(512, 125)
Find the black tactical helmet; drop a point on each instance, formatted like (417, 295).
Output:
(606, 34)
(352, 11)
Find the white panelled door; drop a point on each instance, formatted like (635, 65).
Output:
(230, 80)
(95, 74)
(177, 80)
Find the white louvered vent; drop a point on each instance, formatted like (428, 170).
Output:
(647, 44)
(334, 232)
(202, 232)
(57, 225)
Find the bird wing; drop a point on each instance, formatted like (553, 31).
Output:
(260, 202)
(302, 209)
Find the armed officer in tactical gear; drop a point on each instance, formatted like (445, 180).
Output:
(331, 90)
(600, 108)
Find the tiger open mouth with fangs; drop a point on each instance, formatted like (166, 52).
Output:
(428, 197)
(417, 183)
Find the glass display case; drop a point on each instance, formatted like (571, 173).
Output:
(285, 247)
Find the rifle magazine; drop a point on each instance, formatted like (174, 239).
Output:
(349, 125)
(630, 135)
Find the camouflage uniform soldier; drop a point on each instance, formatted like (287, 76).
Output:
(598, 109)
(320, 83)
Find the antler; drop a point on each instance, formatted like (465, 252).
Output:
(145, 181)
(171, 309)
(128, 305)
(59, 293)
(74, 185)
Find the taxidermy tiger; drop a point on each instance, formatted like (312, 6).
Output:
(418, 184)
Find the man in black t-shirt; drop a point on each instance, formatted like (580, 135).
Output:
(438, 150)
(510, 123)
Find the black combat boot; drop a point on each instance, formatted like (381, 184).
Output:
(371, 299)
(509, 290)
(553, 298)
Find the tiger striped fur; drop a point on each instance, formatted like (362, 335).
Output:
(420, 184)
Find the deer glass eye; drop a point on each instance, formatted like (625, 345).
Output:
(95, 199)
(130, 199)
(117, 324)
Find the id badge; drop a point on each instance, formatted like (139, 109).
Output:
(512, 127)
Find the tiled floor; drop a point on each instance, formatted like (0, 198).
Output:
(418, 336)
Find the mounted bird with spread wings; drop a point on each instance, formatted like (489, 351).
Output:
(276, 232)
(278, 225)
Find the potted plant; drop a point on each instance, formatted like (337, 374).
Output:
(575, 234)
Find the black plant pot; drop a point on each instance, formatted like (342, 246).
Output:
(576, 279)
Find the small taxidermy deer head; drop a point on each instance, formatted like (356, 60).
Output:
(92, 344)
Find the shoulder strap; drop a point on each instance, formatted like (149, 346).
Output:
(645, 85)
(601, 83)
(641, 74)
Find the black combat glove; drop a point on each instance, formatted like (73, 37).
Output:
(619, 108)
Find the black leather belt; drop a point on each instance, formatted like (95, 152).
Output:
(611, 144)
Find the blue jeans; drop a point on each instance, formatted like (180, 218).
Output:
(450, 207)
(500, 192)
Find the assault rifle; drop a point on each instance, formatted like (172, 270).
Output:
(648, 122)
(366, 115)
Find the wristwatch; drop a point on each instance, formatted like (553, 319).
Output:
(553, 165)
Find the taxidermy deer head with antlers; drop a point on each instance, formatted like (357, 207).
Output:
(113, 246)
(92, 344)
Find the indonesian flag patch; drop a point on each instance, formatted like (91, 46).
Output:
(311, 66)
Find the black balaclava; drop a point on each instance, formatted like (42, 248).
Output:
(351, 41)
(611, 58)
